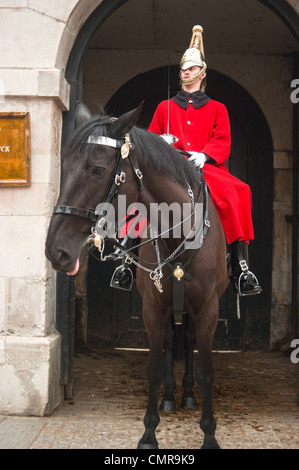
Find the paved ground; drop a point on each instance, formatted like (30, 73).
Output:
(255, 402)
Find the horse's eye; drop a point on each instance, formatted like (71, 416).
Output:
(98, 171)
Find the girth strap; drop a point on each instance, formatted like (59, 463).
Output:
(178, 277)
(179, 274)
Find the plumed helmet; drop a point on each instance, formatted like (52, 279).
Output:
(194, 55)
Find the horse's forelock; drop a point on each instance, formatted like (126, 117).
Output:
(96, 126)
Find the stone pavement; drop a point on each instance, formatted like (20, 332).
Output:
(255, 405)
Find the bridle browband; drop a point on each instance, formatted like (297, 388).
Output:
(124, 145)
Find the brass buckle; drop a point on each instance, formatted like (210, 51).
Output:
(120, 178)
(243, 265)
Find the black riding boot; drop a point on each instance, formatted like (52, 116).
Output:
(244, 281)
(122, 277)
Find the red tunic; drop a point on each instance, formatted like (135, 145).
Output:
(207, 129)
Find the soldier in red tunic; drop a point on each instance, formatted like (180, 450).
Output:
(201, 127)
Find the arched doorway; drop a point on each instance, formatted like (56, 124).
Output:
(65, 286)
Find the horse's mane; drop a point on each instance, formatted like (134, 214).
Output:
(163, 156)
(156, 152)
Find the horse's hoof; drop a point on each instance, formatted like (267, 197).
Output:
(190, 403)
(144, 445)
(210, 442)
(167, 406)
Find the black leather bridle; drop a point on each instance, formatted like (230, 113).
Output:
(98, 217)
(124, 145)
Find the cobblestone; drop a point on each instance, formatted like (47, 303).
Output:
(255, 405)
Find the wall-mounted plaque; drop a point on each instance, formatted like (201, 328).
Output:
(15, 149)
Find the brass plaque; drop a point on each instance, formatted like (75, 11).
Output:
(15, 149)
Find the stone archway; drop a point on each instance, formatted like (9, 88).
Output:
(98, 16)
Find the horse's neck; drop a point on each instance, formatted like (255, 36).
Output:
(161, 188)
(167, 203)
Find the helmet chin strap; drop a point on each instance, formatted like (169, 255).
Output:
(196, 77)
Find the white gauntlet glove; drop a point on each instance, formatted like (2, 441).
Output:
(198, 159)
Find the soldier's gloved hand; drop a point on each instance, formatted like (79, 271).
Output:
(198, 159)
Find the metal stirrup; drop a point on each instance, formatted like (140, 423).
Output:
(241, 277)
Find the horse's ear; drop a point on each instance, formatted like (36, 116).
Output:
(82, 114)
(124, 123)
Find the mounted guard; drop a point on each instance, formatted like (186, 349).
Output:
(200, 126)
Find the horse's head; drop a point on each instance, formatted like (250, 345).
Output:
(89, 163)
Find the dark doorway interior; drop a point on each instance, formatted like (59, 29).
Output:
(114, 317)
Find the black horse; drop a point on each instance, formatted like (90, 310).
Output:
(106, 158)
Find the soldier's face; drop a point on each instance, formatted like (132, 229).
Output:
(189, 74)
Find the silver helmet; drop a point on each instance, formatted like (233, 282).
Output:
(194, 55)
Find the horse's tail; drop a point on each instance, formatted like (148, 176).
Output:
(179, 342)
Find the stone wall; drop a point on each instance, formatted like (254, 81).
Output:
(29, 344)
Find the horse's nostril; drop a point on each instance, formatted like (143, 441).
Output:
(62, 257)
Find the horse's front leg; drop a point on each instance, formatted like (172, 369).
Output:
(155, 376)
(168, 401)
(188, 399)
(204, 373)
